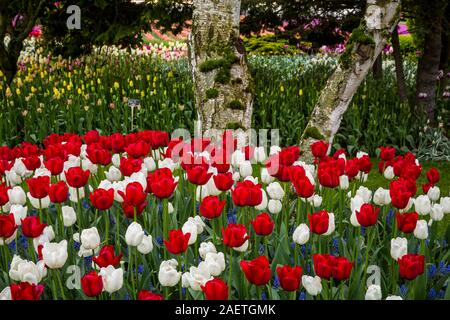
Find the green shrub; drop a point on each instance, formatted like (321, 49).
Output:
(408, 47)
(269, 45)
(212, 93)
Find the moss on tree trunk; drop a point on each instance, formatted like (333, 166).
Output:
(222, 82)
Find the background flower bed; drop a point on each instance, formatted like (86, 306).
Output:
(57, 95)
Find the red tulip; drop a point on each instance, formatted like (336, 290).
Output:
(139, 149)
(247, 193)
(223, 181)
(177, 242)
(319, 221)
(161, 183)
(32, 227)
(148, 295)
(433, 175)
(235, 235)
(199, 175)
(289, 277)
(289, 155)
(426, 187)
(211, 207)
(262, 224)
(97, 154)
(319, 149)
(406, 222)
(130, 211)
(215, 289)
(367, 215)
(134, 194)
(102, 199)
(303, 187)
(107, 257)
(128, 166)
(400, 193)
(387, 153)
(58, 192)
(351, 168)
(4, 198)
(32, 162)
(92, 284)
(7, 225)
(91, 137)
(328, 176)
(38, 186)
(257, 271)
(77, 177)
(327, 266)
(54, 165)
(364, 164)
(26, 291)
(411, 266)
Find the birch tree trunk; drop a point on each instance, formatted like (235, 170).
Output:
(223, 86)
(364, 46)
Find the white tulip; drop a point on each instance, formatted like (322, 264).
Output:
(245, 169)
(331, 225)
(437, 212)
(389, 173)
(434, 193)
(242, 248)
(113, 174)
(301, 234)
(55, 254)
(69, 216)
(313, 285)
(116, 160)
(399, 247)
(266, 177)
(90, 239)
(19, 212)
(445, 203)
(394, 298)
(252, 179)
(17, 196)
(275, 206)
(205, 248)
(343, 182)
(190, 227)
(237, 157)
(27, 271)
(168, 276)
(215, 263)
(263, 205)
(274, 150)
(112, 278)
(5, 294)
(421, 230)
(373, 293)
(150, 164)
(43, 204)
(364, 193)
(13, 177)
(381, 197)
(315, 200)
(196, 277)
(134, 234)
(275, 191)
(422, 205)
(260, 154)
(211, 188)
(73, 196)
(146, 245)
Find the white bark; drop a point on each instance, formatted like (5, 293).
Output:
(215, 36)
(379, 20)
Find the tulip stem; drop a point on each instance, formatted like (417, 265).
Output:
(118, 230)
(58, 276)
(107, 227)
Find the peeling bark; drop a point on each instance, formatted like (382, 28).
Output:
(363, 48)
(222, 82)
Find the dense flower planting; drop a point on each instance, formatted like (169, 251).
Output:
(140, 216)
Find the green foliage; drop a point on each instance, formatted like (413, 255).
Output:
(408, 47)
(212, 64)
(358, 36)
(270, 45)
(212, 93)
(312, 132)
(236, 105)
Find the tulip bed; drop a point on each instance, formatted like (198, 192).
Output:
(139, 216)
